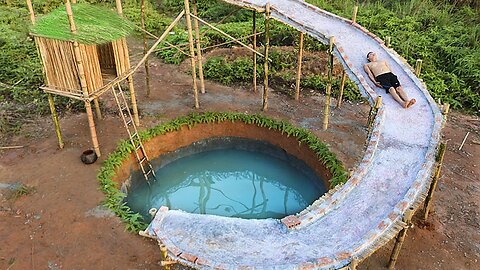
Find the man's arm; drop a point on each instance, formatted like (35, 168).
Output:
(370, 75)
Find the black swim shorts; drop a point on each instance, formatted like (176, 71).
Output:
(388, 80)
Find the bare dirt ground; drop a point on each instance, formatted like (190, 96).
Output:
(61, 225)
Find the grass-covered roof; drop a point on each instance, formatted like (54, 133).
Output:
(95, 25)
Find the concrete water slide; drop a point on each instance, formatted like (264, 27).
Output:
(351, 221)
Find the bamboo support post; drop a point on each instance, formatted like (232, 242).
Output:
(373, 113)
(164, 253)
(254, 47)
(342, 87)
(265, 65)
(354, 16)
(30, 10)
(133, 100)
(83, 82)
(98, 112)
(400, 238)
(418, 67)
(433, 184)
(299, 67)
(119, 7)
(192, 51)
(326, 112)
(199, 48)
(145, 46)
(225, 34)
(353, 264)
(55, 121)
(388, 41)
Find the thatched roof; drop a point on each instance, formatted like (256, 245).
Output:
(95, 25)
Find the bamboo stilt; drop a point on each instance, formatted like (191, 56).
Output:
(354, 16)
(299, 67)
(30, 10)
(83, 82)
(192, 51)
(55, 121)
(373, 113)
(133, 99)
(163, 251)
(342, 87)
(98, 113)
(265, 65)
(418, 67)
(145, 46)
(326, 112)
(433, 185)
(119, 7)
(388, 41)
(400, 238)
(254, 46)
(199, 48)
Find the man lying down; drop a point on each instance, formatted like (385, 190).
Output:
(380, 73)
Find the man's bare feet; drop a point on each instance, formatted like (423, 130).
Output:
(410, 103)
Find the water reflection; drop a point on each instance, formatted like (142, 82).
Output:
(229, 182)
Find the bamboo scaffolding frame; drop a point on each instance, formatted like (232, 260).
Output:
(299, 66)
(30, 10)
(438, 168)
(388, 41)
(342, 87)
(227, 35)
(231, 41)
(199, 48)
(326, 112)
(254, 47)
(265, 65)
(192, 51)
(145, 45)
(58, 132)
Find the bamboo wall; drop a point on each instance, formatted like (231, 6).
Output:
(120, 51)
(61, 72)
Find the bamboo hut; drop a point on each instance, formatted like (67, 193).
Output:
(83, 50)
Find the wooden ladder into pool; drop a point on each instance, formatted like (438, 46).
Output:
(132, 131)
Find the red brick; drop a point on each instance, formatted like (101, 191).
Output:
(189, 257)
(324, 261)
(343, 255)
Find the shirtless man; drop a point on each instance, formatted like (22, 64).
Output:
(380, 73)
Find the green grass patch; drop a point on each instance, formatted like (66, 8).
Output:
(115, 198)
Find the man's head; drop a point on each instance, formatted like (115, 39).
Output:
(371, 56)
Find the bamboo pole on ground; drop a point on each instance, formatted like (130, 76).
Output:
(400, 238)
(326, 112)
(265, 65)
(342, 87)
(145, 46)
(192, 51)
(418, 67)
(299, 67)
(433, 185)
(354, 16)
(199, 48)
(388, 41)
(83, 82)
(254, 46)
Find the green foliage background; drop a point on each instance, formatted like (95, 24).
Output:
(444, 33)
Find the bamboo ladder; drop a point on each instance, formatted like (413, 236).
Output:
(130, 126)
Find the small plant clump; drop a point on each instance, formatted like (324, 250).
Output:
(19, 191)
(115, 198)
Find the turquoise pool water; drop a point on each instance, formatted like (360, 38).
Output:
(230, 182)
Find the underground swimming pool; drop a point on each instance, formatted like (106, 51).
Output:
(228, 176)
